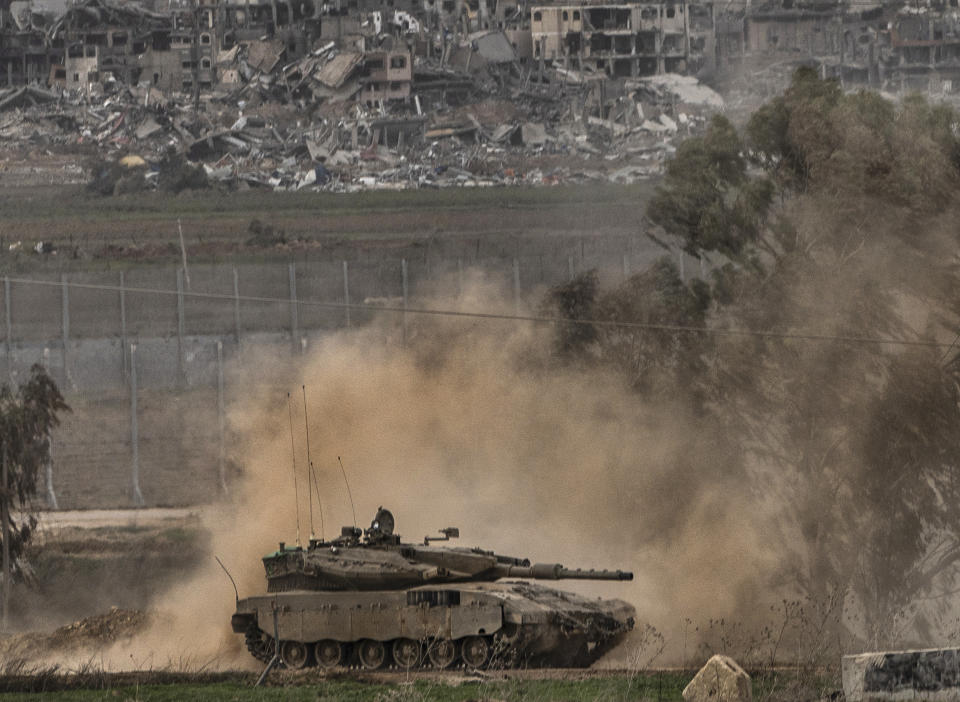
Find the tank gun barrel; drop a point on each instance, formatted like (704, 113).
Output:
(555, 571)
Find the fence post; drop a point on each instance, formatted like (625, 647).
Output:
(403, 269)
(346, 292)
(294, 312)
(65, 327)
(8, 340)
(626, 266)
(236, 305)
(51, 495)
(459, 277)
(181, 366)
(516, 286)
(134, 429)
(220, 418)
(683, 277)
(570, 269)
(123, 328)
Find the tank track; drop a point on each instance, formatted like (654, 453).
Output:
(507, 651)
(260, 645)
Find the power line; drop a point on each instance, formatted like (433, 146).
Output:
(539, 319)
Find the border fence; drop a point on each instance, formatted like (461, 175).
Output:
(140, 353)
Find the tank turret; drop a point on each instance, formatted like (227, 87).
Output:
(369, 595)
(376, 559)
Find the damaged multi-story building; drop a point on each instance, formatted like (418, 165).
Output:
(845, 42)
(27, 54)
(625, 40)
(898, 47)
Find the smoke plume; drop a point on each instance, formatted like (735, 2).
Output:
(470, 424)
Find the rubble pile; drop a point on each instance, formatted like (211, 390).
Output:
(569, 128)
(372, 94)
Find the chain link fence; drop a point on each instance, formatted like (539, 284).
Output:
(140, 353)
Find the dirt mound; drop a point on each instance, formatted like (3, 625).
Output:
(99, 629)
(93, 633)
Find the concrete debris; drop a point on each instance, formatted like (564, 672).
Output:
(339, 132)
(719, 680)
(533, 134)
(27, 96)
(928, 674)
(679, 89)
(318, 96)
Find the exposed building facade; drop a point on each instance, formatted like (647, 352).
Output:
(192, 45)
(624, 40)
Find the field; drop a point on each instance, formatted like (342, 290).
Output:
(87, 229)
(534, 686)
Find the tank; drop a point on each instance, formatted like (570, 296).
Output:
(368, 599)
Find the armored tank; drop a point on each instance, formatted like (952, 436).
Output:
(366, 598)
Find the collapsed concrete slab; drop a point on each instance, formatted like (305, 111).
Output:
(925, 674)
(719, 680)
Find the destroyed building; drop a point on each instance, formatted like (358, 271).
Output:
(900, 47)
(625, 40)
(199, 46)
(187, 47)
(924, 51)
(26, 54)
(846, 43)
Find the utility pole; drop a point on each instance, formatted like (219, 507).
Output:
(196, 58)
(5, 497)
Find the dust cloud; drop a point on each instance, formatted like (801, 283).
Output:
(469, 424)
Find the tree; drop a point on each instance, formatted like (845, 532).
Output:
(655, 363)
(708, 198)
(574, 300)
(652, 362)
(27, 418)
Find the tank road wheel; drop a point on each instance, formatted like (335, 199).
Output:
(294, 654)
(475, 651)
(329, 653)
(406, 653)
(372, 653)
(442, 653)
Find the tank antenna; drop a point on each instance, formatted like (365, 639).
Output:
(235, 591)
(293, 456)
(312, 475)
(306, 427)
(317, 486)
(350, 494)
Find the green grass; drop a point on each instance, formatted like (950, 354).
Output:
(663, 686)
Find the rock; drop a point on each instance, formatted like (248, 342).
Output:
(668, 123)
(720, 680)
(533, 133)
